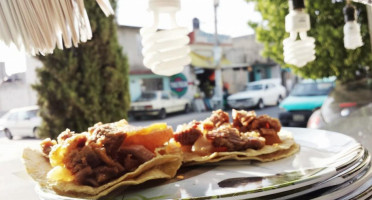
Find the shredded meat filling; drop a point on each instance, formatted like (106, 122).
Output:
(96, 157)
(64, 135)
(109, 137)
(46, 146)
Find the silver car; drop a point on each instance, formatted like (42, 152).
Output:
(258, 93)
(20, 122)
(158, 103)
(348, 110)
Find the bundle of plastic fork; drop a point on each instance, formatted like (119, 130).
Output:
(39, 26)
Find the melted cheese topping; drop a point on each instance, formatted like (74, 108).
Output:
(202, 146)
(147, 130)
(60, 173)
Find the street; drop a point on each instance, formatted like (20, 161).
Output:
(180, 118)
(16, 184)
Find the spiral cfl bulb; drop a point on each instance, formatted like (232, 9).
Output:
(300, 51)
(165, 52)
(352, 37)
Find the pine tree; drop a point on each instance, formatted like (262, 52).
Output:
(327, 21)
(81, 86)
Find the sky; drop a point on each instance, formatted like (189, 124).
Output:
(15, 61)
(232, 18)
(232, 15)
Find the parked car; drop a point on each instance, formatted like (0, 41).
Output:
(258, 93)
(158, 103)
(348, 101)
(306, 97)
(20, 122)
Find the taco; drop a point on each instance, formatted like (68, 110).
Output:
(248, 137)
(94, 163)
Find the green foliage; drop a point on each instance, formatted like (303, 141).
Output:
(81, 86)
(327, 21)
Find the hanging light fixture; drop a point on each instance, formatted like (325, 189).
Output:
(165, 52)
(298, 51)
(352, 37)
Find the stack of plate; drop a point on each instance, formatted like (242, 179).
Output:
(329, 166)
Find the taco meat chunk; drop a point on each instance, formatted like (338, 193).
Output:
(217, 119)
(95, 157)
(233, 140)
(216, 133)
(247, 121)
(188, 134)
(46, 146)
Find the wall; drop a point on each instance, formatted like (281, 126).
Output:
(235, 78)
(245, 54)
(18, 92)
(246, 50)
(192, 83)
(130, 39)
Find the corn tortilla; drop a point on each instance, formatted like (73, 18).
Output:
(267, 153)
(162, 166)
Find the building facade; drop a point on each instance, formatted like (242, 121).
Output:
(248, 64)
(240, 62)
(141, 78)
(15, 90)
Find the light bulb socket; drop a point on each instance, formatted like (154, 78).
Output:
(349, 13)
(296, 4)
(196, 23)
(164, 6)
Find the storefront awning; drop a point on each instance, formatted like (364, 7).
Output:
(201, 61)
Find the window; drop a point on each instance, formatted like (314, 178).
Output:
(253, 87)
(312, 89)
(13, 116)
(147, 96)
(23, 115)
(271, 85)
(164, 95)
(31, 114)
(150, 84)
(174, 95)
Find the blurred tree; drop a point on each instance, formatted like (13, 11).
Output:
(81, 86)
(327, 21)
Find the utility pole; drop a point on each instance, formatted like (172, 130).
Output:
(369, 17)
(217, 53)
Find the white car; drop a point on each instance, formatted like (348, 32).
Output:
(258, 94)
(158, 103)
(20, 122)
